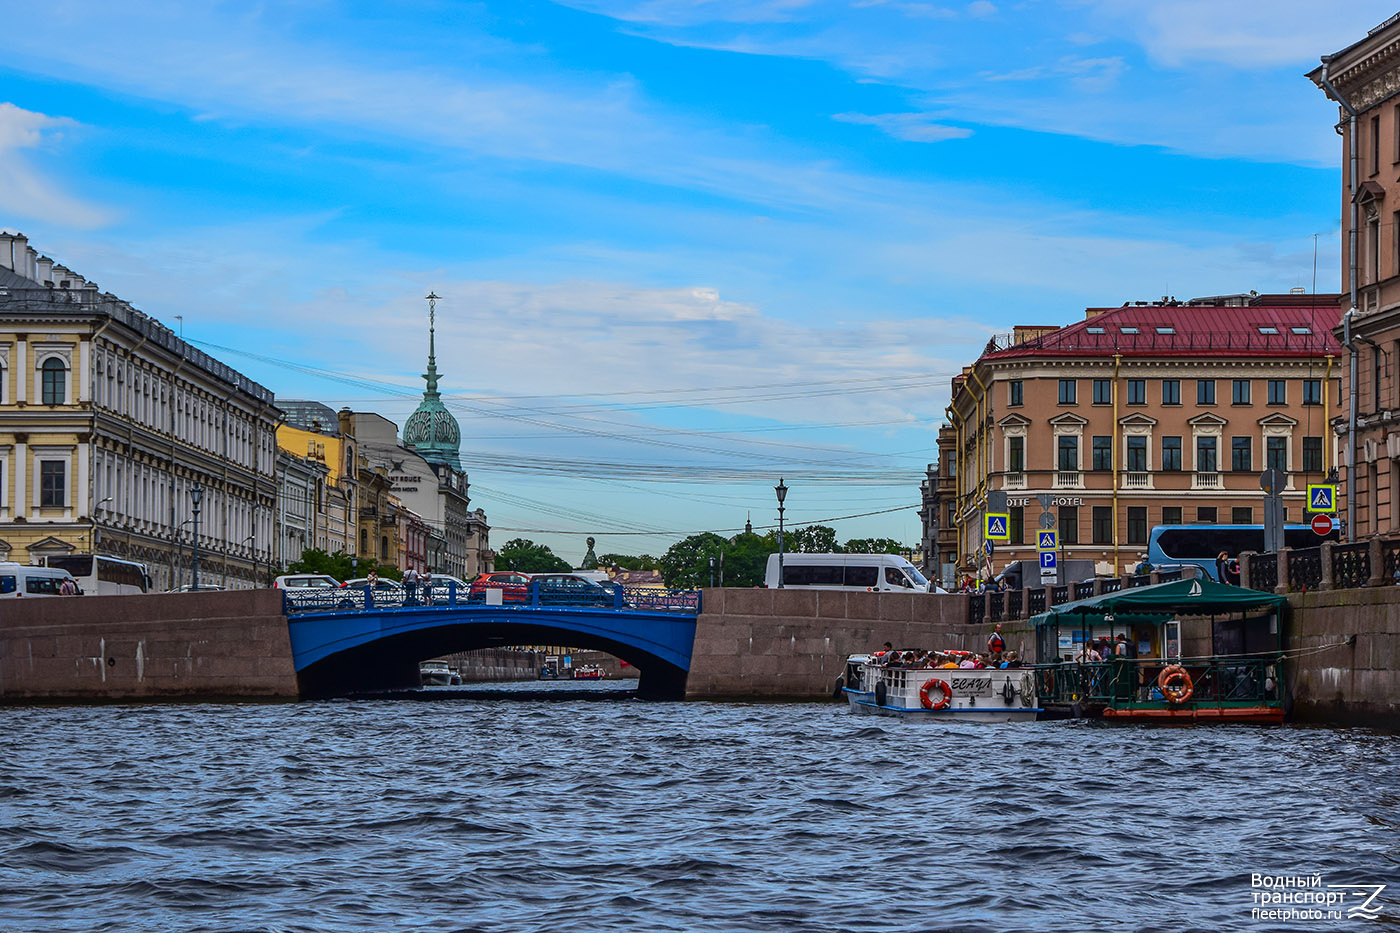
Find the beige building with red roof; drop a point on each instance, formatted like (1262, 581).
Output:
(1146, 414)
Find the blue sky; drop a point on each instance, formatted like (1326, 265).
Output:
(692, 238)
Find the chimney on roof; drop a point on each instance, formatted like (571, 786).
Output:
(44, 267)
(31, 263)
(6, 239)
(16, 260)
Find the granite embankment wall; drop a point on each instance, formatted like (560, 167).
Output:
(190, 645)
(1347, 663)
(794, 643)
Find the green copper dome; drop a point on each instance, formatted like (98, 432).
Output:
(431, 431)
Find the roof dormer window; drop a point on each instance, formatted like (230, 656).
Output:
(1166, 330)
(1094, 330)
(1267, 329)
(1129, 330)
(1301, 331)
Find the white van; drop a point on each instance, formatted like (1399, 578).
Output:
(24, 580)
(874, 573)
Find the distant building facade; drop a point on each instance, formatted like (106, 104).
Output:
(320, 435)
(1146, 414)
(108, 420)
(1364, 79)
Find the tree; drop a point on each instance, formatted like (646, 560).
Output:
(686, 565)
(812, 539)
(526, 556)
(746, 559)
(874, 546)
(629, 561)
(339, 565)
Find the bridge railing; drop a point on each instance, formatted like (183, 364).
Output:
(449, 596)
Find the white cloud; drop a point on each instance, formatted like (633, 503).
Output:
(25, 193)
(914, 127)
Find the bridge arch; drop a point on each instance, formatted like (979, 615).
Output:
(338, 653)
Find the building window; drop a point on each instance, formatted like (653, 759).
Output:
(1016, 454)
(384, 547)
(1137, 524)
(1312, 391)
(1018, 525)
(1205, 455)
(1205, 514)
(1069, 454)
(1171, 391)
(1137, 454)
(1373, 244)
(1015, 394)
(1069, 524)
(1137, 391)
(1278, 392)
(1241, 454)
(1171, 515)
(1239, 392)
(1375, 144)
(364, 542)
(1312, 455)
(1103, 524)
(1103, 453)
(1276, 453)
(53, 484)
(54, 381)
(1242, 515)
(1068, 392)
(1171, 453)
(1205, 391)
(1103, 392)
(1377, 369)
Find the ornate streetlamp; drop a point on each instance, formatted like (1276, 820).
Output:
(196, 494)
(782, 491)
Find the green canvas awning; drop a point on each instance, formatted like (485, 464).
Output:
(1194, 597)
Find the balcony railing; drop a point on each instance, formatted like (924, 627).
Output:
(1067, 480)
(1014, 481)
(1137, 480)
(1206, 481)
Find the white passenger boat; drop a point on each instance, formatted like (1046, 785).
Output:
(438, 674)
(962, 694)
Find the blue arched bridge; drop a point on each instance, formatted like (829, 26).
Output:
(354, 640)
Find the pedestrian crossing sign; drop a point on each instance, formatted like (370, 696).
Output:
(1322, 497)
(1047, 539)
(998, 526)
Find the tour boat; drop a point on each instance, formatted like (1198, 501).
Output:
(589, 672)
(438, 674)
(963, 694)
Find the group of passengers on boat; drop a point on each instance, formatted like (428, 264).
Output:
(923, 659)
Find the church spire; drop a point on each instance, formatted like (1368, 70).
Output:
(431, 430)
(432, 374)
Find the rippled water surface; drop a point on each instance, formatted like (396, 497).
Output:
(503, 812)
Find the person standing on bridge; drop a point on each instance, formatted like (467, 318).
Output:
(410, 585)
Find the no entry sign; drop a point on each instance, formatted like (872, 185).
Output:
(1322, 524)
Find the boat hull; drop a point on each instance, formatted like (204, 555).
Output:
(864, 704)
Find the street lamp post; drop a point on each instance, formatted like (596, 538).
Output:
(252, 540)
(781, 489)
(712, 573)
(196, 494)
(96, 531)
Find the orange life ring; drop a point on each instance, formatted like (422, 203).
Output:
(1176, 684)
(935, 704)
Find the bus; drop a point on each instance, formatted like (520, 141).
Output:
(103, 576)
(1170, 547)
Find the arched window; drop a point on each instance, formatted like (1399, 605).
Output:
(55, 388)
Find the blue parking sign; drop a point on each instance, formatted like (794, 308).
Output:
(1047, 560)
(1047, 539)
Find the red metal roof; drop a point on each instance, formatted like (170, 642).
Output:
(1279, 328)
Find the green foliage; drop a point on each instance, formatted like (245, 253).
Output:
(629, 561)
(874, 546)
(739, 561)
(526, 556)
(339, 565)
(811, 539)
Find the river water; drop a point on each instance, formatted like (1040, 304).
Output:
(521, 810)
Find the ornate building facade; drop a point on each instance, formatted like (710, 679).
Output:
(1142, 415)
(1364, 80)
(108, 421)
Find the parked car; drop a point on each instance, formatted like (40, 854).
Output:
(313, 589)
(441, 590)
(571, 589)
(386, 592)
(18, 580)
(203, 588)
(514, 585)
